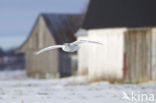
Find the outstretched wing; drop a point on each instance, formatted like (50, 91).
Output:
(49, 48)
(78, 42)
(95, 42)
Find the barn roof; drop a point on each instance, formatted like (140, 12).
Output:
(120, 13)
(63, 26)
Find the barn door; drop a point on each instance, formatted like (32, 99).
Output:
(64, 64)
(137, 49)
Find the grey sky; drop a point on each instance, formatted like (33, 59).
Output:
(18, 16)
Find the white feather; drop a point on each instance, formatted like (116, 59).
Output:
(78, 42)
(49, 48)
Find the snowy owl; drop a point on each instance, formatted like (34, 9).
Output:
(68, 47)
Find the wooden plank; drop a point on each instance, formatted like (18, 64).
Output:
(133, 59)
(148, 45)
(153, 70)
(128, 55)
(137, 57)
(144, 56)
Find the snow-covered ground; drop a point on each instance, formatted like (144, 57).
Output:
(16, 88)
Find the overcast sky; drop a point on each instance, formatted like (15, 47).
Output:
(18, 16)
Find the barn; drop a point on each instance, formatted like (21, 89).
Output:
(127, 29)
(51, 29)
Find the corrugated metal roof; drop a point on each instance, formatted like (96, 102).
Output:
(63, 26)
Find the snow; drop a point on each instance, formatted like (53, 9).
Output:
(15, 87)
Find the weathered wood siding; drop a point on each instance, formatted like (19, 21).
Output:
(137, 47)
(83, 57)
(140, 49)
(106, 61)
(153, 54)
(44, 65)
(128, 55)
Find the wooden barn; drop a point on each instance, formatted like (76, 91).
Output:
(51, 29)
(127, 29)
